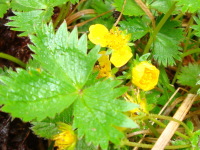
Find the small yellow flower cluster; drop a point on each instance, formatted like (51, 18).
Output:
(145, 76)
(66, 140)
(104, 65)
(113, 39)
(137, 100)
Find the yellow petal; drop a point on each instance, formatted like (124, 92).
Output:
(97, 34)
(145, 75)
(121, 57)
(66, 139)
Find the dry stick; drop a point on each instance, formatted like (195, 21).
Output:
(120, 16)
(82, 23)
(77, 15)
(171, 98)
(147, 11)
(136, 148)
(76, 7)
(172, 126)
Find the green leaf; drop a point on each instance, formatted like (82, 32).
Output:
(131, 8)
(166, 49)
(189, 75)
(162, 6)
(101, 7)
(136, 26)
(41, 4)
(5, 5)
(196, 27)
(195, 139)
(191, 5)
(82, 145)
(29, 21)
(66, 67)
(17, 7)
(37, 4)
(190, 125)
(4, 71)
(68, 60)
(74, 1)
(48, 127)
(45, 129)
(98, 112)
(27, 94)
(63, 81)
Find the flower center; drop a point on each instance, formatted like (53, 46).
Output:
(115, 39)
(147, 76)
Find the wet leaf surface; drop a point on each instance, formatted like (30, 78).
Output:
(15, 134)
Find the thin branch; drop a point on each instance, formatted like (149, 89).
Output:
(147, 11)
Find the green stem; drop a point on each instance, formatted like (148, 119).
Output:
(13, 59)
(197, 50)
(178, 16)
(134, 144)
(172, 119)
(149, 116)
(164, 126)
(158, 27)
(153, 130)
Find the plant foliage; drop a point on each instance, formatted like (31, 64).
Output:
(189, 75)
(130, 8)
(61, 88)
(5, 5)
(191, 6)
(166, 46)
(65, 68)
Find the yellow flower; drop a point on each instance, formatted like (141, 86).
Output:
(113, 39)
(66, 140)
(145, 75)
(137, 100)
(104, 65)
